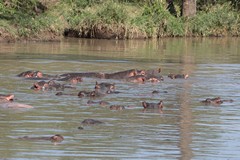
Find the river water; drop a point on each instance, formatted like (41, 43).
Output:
(186, 129)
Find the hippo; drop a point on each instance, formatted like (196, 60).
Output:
(121, 74)
(153, 78)
(152, 71)
(6, 101)
(36, 75)
(102, 103)
(88, 94)
(57, 138)
(50, 85)
(41, 85)
(136, 79)
(87, 74)
(147, 105)
(14, 105)
(103, 88)
(215, 101)
(30, 74)
(71, 79)
(157, 92)
(144, 78)
(6, 98)
(68, 94)
(176, 76)
(116, 107)
(91, 122)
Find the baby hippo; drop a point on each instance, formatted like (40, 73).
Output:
(147, 105)
(57, 138)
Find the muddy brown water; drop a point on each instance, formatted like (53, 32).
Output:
(186, 129)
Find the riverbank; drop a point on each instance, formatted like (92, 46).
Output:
(53, 20)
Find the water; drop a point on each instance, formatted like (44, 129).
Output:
(186, 129)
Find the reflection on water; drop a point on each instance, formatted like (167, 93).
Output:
(186, 129)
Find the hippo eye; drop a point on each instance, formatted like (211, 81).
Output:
(35, 86)
(142, 73)
(97, 87)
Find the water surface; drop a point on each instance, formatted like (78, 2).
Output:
(186, 129)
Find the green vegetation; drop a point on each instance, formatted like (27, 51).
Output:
(115, 19)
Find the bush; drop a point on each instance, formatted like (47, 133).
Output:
(156, 21)
(218, 20)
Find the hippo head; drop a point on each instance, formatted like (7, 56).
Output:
(42, 85)
(140, 72)
(57, 138)
(29, 74)
(38, 74)
(105, 87)
(75, 80)
(6, 98)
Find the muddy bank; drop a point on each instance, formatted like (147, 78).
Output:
(95, 33)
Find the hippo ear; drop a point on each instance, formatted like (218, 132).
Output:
(10, 97)
(144, 104)
(159, 70)
(160, 104)
(97, 85)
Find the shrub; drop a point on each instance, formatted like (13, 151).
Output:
(218, 20)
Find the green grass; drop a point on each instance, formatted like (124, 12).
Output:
(136, 20)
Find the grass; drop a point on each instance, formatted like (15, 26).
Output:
(89, 18)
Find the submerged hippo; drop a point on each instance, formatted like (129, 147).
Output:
(67, 94)
(157, 92)
(147, 105)
(121, 74)
(14, 105)
(102, 103)
(91, 122)
(103, 88)
(142, 76)
(88, 94)
(136, 79)
(86, 74)
(152, 71)
(6, 98)
(36, 75)
(154, 78)
(50, 85)
(31, 74)
(215, 101)
(116, 107)
(71, 79)
(6, 101)
(176, 76)
(57, 138)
